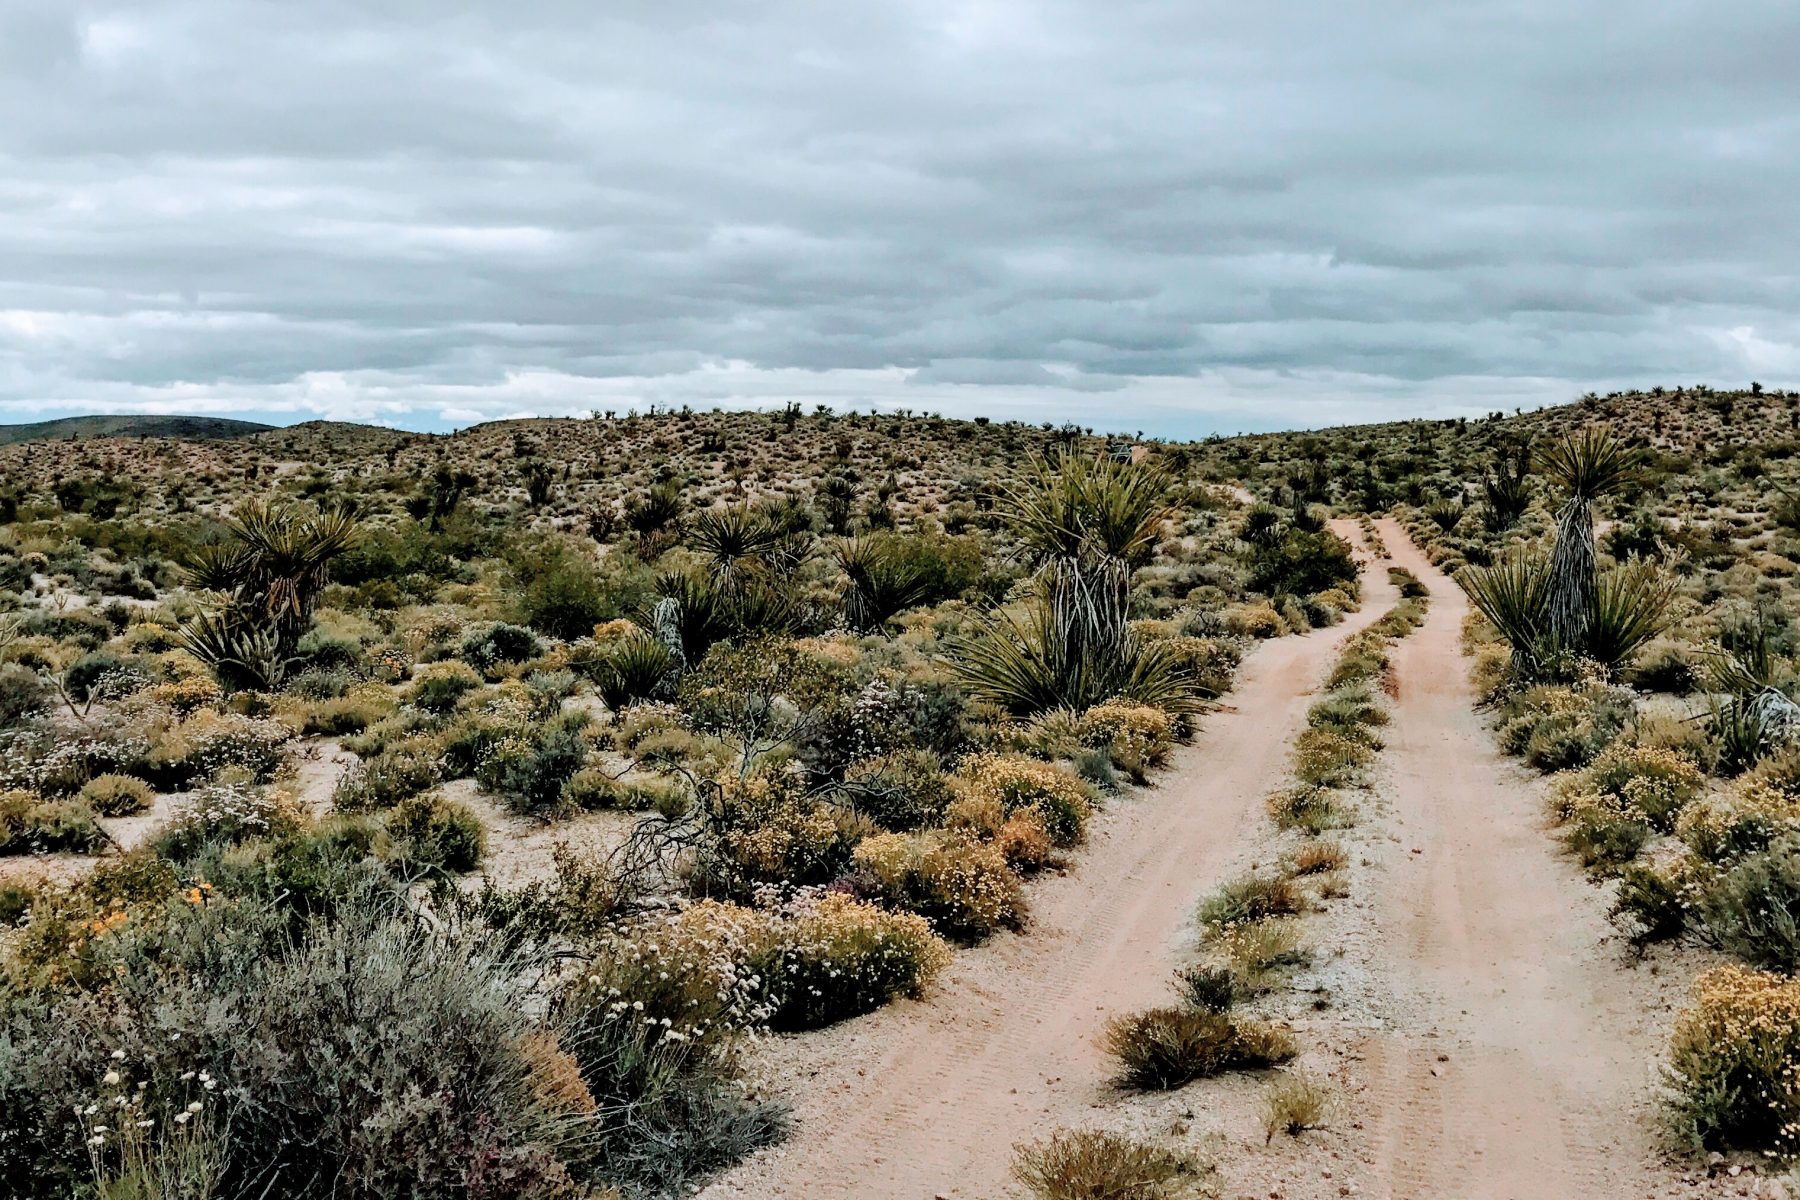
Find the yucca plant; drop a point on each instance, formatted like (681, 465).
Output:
(733, 540)
(1510, 594)
(240, 653)
(880, 581)
(1630, 606)
(1588, 465)
(1445, 514)
(1504, 490)
(1086, 524)
(1023, 665)
(638, 668)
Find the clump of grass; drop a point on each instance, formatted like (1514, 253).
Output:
(1293, 1103)
(1255, 950)
(1310, 809)
(1318, 857)
(1252, 898)
(1208, 988)
(1094, 1165)
(1164, 1048)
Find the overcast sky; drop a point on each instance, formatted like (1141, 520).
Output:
(1180, 217)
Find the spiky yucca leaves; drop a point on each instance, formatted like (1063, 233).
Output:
(274, 564)
(1023, 665)
(1445, 514)
(1588, 465)
(1086, 524)
(1510, 594)
(639, 668)
(734, 541)
(1504, 488)
(880, 582)
(703, 612)
(1630, 606)
(268, 573)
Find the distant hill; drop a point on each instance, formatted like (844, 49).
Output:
(81, 428)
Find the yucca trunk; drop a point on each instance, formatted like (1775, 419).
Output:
(1569, 588)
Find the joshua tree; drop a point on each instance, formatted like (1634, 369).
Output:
(1588, 465)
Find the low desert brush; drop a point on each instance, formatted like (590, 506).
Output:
(1734, 1063)
(1293, 1103)
(1092, 1165)
(1308, 808)
(1254, 950)
(1312, 858)
(1164, 1048)
(1252, 898)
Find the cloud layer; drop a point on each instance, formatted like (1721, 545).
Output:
(1158, 215)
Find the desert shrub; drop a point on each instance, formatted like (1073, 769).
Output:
(490, 646)
(1351, 710)
(1092, 1165)
(964, 888)
(1307, 807)
(1744, 820)
(1136, 737)
(838, 958)
(429, 831)
(1210, 662)
(1665, 665)
(185, 696)
(1259, 621)
(1293, 1103)
(1603, 828)
(1652, 901)
(1252, 898)
(1316, 857)
(403, 769)
(769, 828)
(1208, 988)
(116, 795)
(1752, 909)
(1734, 1063)
(531, 767)
(1167, 1047)
(352, 712)
(1301, 563)
(559, 588)
(437, 687)
(207, 743)
(900, 791)
(22, 695)
(217, 1006)
(224, 815)
(32, 825)
(1323, 757)
(1255, 951)
(1018, 783)
(1558, 728)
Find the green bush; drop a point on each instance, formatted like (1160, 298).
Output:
(116, 795)
(1752, 910)
(1733, 1060)
(429, 831)
(30, 825)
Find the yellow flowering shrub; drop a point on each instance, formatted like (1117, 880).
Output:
(836, 957)
(183, 696)
(1740, 821)
(1652, 782)
(1024, 842)
(1255, 621)
(1734, 1062)
(1135, 736)
(1018, 782)
(963, 887)
(1326, 758)
(771, 831)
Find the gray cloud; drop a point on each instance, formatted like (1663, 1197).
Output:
(1129, 214)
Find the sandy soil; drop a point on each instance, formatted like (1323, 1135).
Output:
(927, 1098)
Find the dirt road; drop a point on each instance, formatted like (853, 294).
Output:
(926, 1099)
(1529, 1075)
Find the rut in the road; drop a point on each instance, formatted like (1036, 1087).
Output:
(1531, 1072)
(928, 1098)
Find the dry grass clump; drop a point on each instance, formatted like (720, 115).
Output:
(1257, 949)
(1307, 808)
(1165, 1048)
(1252, 898)
(1293, 1103)
(1318, 856)
(1093, 1165)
